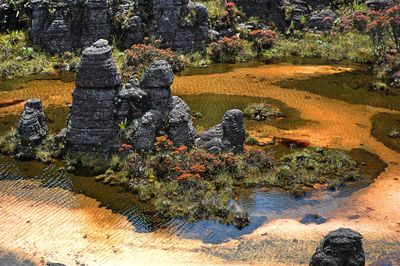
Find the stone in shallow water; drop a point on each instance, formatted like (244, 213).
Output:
(31, 129)
(340, 247)
(313, 218)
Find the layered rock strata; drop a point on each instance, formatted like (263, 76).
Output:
(92, 123)
(31, 129)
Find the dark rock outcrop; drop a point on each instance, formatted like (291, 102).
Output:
(60, 26)
(233, 129)
(180, 125)
(92, 123)
(96, 22)
(132, 101)
(379, 4)
(227, 136)
(145, 136)
(180, 24)
(31, 130)
(340, 247)
(133, 33)
(322, 21)
(156, 82)
(269, 10)
(9, 17)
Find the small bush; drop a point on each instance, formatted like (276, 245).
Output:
(140, 56)
(262, 111)
(227, 50)
(263, 39)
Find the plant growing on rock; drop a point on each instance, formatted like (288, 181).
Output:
(263, 39)
(227, 50)
(262, 111)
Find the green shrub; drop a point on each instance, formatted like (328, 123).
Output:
(141, 56)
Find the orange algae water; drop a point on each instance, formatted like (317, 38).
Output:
(49, 215)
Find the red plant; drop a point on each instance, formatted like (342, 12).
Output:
(263, 39)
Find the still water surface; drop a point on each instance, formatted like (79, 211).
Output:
(48, 214)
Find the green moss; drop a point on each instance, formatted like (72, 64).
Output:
(7, 142)
(350, 46)
(18, 58)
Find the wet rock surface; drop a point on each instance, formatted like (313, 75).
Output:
(313, 218)
(92, 123)
(31, 129)
(340, 247)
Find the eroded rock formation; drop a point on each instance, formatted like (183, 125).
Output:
(229, 135)
(180, 125)
(269, 10)
(60, 26)
(340, 247)
(92, 124)
(31, 129)
(156, 82)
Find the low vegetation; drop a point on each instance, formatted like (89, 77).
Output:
(262, 111)
(196, 184)
(18, 58)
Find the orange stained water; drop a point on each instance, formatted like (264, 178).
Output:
(75, 229)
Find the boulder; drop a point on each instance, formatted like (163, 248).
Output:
(229, 135)
(156, 82)
(233, 129)
(31, 129)
(92, 122)
(133, 102)
(180, 125)
(340, 247)
(145, 136)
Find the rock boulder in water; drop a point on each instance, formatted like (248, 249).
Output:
(229, 135)
(31, 130)
(93, 124)
(339, 248)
